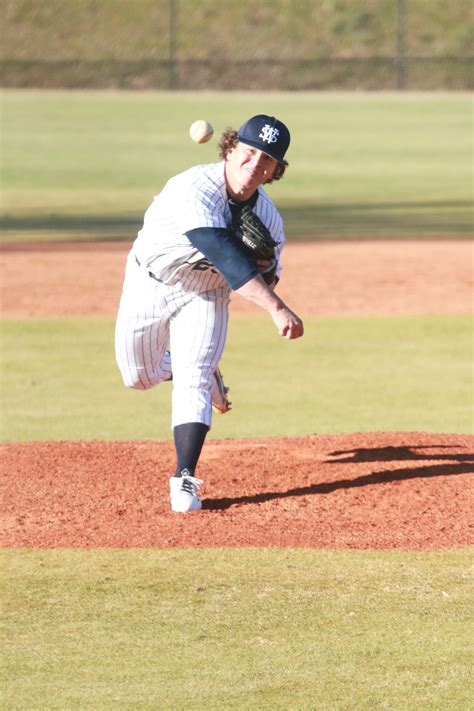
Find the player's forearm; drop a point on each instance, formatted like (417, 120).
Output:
(256, 291)
(289, 325)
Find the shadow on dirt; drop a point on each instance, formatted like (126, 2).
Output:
(394, 454)
(460, 463)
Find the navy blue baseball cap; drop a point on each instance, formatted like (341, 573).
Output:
(266, 133)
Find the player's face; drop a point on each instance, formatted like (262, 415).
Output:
(247, 168)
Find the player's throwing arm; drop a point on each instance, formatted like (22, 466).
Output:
(289, 325)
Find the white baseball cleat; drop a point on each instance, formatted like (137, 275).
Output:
(184, 492)
(220, 401)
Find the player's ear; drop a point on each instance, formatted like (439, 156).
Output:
(270, 177)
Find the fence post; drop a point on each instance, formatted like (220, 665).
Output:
(172, 45)
(400, 61)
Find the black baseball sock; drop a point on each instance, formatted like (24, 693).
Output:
(188, 441)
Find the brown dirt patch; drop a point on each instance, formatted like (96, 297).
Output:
(395, 490)
(85, 279)
(410, 491)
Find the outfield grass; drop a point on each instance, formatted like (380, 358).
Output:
(60, 380)
(237, 629)
(86, 164)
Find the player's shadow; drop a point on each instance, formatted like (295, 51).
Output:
(393, 454)
(459, 463)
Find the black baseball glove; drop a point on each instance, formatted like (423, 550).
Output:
(256, 241)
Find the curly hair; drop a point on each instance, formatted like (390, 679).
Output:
(229, 140)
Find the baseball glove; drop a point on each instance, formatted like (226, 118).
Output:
(256, 241)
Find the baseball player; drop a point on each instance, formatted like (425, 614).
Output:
(185, 261)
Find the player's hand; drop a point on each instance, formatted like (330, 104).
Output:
(288, 323)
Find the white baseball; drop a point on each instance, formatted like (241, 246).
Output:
(201, 131)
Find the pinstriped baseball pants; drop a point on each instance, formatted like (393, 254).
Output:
(154, 317)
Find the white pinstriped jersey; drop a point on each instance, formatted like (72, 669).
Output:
(195, 198)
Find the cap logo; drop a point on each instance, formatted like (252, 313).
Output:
(269, 134)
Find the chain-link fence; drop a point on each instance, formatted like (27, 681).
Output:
(238, 44)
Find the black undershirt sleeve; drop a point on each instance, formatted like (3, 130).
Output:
(218, 246)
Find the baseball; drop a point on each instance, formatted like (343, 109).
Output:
(201, 131)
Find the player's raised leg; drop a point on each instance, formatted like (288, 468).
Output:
(142, 330)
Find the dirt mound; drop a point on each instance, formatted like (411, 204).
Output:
(398, 490)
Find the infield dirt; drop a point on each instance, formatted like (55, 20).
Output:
(380, 490)
(330, 278)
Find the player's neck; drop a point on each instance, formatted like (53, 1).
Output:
(247, 201)
(241, 195)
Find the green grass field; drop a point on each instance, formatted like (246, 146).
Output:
(237, 629)
(60, 381)
(223, 628)
(86, 164)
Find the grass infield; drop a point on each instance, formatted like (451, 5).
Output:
(236, 629)
(413, 373)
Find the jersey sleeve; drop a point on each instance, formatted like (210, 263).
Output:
(221, 249)
(203, 205)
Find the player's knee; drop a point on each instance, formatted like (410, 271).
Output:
(135, 382)
(137, 376)
(137, 386)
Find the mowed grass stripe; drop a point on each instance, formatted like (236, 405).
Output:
(87, 164)
(401, 373)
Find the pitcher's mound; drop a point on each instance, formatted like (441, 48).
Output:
(398, 490)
